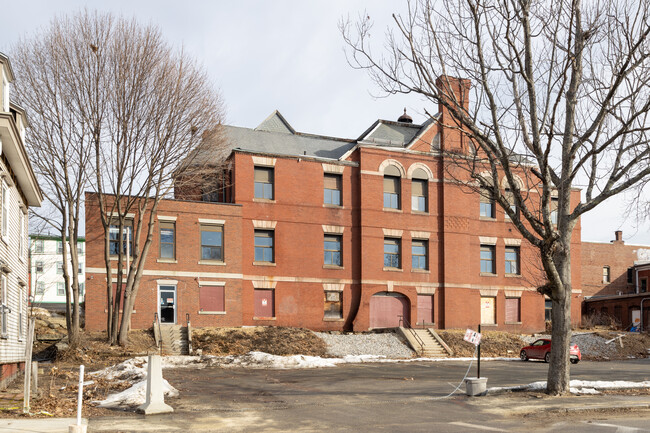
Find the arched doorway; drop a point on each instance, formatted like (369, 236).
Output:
(386, 309)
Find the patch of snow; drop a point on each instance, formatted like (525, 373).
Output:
(134, 396)
(579, 386)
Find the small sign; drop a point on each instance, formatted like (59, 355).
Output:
(264, 302)
(472, 337)
(170, 300)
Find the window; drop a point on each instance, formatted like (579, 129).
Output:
(264, 183)
(39, 247)
(39, 267)
(630, 275)
(60, 289)
(548, 307)
(81, 268)
(487, 259)
(80, 247)
(487, 207)
(59, 247)
(21, 306)
(4, 306)
(59, 268)
(606, 276)
(4, 203)
(332, 189)
(82, 288)
(392, 187)
(512, 260)
(554, 205)
(333, 250)
(333, 305)
(211, 243)
(644, 285)
(127, 238)
(392, 252)
(212, 299)
(511, 199)
(419, 254)
(419, 190)
(264, 246)
(168, 239)
(513, 310)
(40, 288)
(21, 239)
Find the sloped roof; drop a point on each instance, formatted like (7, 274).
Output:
(392, 134)
(276, 123)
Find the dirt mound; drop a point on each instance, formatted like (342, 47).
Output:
(272, 340)
(493, 343)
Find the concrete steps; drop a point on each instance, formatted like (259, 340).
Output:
(426, 342)
(174, 340)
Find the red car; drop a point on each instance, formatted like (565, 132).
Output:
(541, 349)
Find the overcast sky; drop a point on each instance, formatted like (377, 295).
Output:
(284, 55)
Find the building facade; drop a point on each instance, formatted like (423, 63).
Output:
(18, 191)
(47, 287)
(335, 234)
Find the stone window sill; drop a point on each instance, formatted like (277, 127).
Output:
(264, 264)
(333, 206)
(492, 325)
(333, 267)
(212, 263)
(214, 313)
(263, 200)
(393, 270)
(488, 274)
(167, 261)
(419, 212)
(513, 323)
(390, 209)
(264, 318)
(485, 218)
(332, 319)
(421, 271)
(513, 275)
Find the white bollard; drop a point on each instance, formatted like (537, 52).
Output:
(78, 428)
(155, 397)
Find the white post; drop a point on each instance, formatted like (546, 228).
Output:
(28, 363)
(78, 428)
(155, 395)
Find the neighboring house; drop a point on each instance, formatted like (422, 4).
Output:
(18, 191)
(47, 286)
(334, 234)
(615, 281)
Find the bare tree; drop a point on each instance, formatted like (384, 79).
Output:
(560, 97)
(128, 109)
(59, 145)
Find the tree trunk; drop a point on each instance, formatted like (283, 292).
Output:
(558, 372)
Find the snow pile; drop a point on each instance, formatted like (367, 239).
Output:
(134, 396)
(579, 386)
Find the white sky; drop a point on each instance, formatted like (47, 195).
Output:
(285, 55)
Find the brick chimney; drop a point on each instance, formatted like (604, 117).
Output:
(456, 91)
(618, 236)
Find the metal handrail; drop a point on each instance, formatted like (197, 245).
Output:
(156, 321)
(189, 334)
(407, 325)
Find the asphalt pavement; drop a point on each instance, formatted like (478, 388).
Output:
(408, 397)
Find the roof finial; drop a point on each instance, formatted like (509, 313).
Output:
(405, 118)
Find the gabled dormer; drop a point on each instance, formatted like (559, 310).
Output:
(6, 78)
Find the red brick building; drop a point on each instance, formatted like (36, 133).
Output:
(334, 234)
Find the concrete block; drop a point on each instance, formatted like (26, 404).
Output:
(476, 386)
(77, 428)
(155, 397)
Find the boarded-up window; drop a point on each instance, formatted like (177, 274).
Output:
(264, 182)
(513, 310)
(488, 311)
(333, 305)
(264, 300)
(332, 189)
(212, 298)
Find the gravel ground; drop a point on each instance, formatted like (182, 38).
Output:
(387, 345)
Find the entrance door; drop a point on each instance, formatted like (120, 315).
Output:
(386, 309)
(425, 309)
(167, 297)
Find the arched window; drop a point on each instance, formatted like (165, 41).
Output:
(419, 191)
(392, 187)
